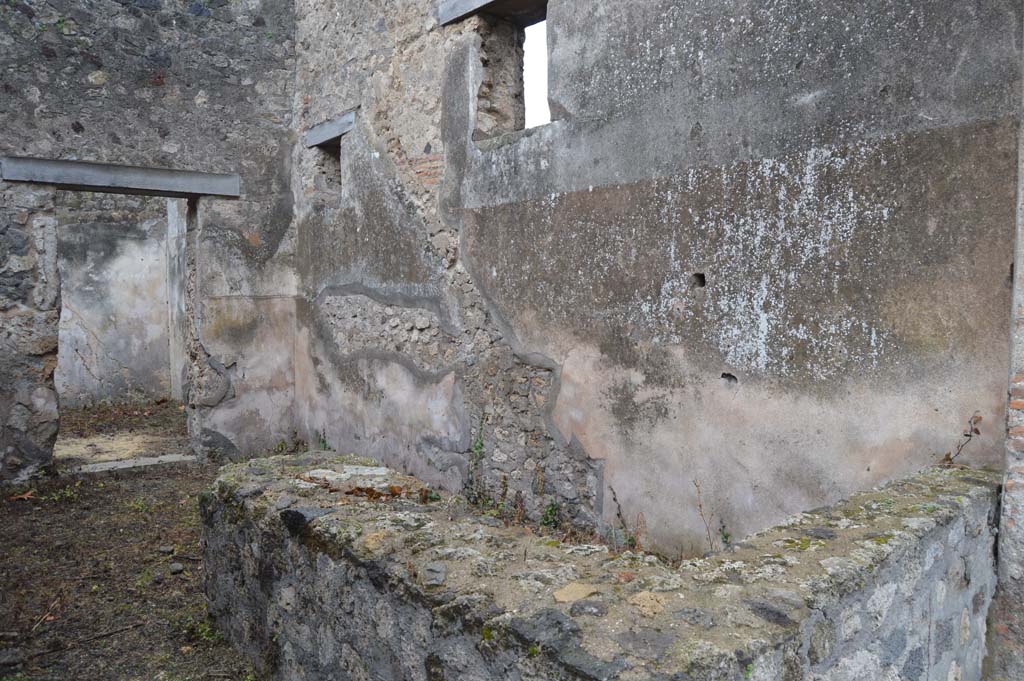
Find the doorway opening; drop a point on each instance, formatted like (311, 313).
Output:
(119, 393)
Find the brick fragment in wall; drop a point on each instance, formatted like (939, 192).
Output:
(429, 169)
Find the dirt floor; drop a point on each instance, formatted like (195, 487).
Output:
(118, 432)
(86, 584)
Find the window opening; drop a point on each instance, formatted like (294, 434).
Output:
(535, 75)
(513, 94)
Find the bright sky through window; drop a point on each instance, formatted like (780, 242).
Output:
(535, 75)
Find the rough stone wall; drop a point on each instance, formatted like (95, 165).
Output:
(764, 247)
(322, 567)
(29, 312)
(1006, 640)
(114, 321)
(189, 85)
(397, 356)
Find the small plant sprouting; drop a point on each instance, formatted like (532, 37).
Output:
(706, 518)
(321, 441)
(552, 516)
(519, 508)
(68, 493)
(206, 632)
(749, 671)
(140, 505)
(723, 533)
(631, 537)
(295, 444)
(970, 431)
(203, 631)
(475, 493)
(478, 444)
(495, 511)
(534, 651)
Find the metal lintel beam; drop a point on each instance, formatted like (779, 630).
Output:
(331, 131)
(522, 12)
(119, 179)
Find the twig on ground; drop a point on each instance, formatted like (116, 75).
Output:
(107, 634)
(87, 578)
(76, 644)
(45, 615)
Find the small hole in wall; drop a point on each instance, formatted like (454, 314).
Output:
(729, 379)
(698, 280)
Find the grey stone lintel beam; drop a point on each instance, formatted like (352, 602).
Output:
(331, 131)
(119, 179)
(522, 12)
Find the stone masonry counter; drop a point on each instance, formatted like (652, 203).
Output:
(328, 567)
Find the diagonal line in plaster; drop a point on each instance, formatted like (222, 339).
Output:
(85, 365)
(99, 343)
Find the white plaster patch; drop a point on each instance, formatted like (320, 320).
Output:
(860, 666)
(880, 601)
(918, 523)
(346, 473)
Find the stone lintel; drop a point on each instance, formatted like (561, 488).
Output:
(522, 12)
(119, 179)
(331, 131)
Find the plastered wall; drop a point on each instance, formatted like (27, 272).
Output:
(764, 247)
(114, 338)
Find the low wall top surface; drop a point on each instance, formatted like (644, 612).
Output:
(837, 593)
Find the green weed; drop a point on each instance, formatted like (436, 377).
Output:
(552, 516)
(140, 505)
(66, 494)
